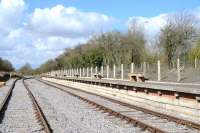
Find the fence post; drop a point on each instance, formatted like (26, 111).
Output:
(178, 70)
(144, 68)
(195, 63)
(107, 71)
(80, 72)
(84, 72)
(114, 71)
(122, 71)
(87, 72)
(159, 76)
(132, 67)
(96, 70)
(74, 72)
(91, 71)
(102, 70)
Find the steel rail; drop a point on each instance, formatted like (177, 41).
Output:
(187, 123)
(39, 113)
(111, 112)
(4, 104)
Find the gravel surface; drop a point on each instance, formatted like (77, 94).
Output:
(4, 89)
(68, 114)
(147, 102)
(19, 116)
(155, 121)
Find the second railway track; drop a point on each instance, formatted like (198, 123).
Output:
(141, 118)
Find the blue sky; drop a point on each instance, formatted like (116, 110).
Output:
(121, 9)
(37, 30)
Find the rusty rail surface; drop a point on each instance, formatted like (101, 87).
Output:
(111, 112)
(39, 113)
(6, 100)
(187, 123)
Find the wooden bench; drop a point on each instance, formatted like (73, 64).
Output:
(98, 76)
(2, 83)
(76, 75)
(137, 77)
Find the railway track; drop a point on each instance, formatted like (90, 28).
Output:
(67, 113)
(5, 101)
(39, 113)
(143, 118)
(17, 116)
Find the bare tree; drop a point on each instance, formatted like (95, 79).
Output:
(175, 37)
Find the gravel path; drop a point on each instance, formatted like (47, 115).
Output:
(155, 121)
(19, 116)
(68, 114)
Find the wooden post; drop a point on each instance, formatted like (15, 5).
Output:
(84, 72)
(178, 70)
(73, 72)
(144, 68)
(102, 70)
(132, 67)
(114, 71)
(96, 70)
(159, 76)
(107, 71)
(80, 72)
(122, 71)
(87, 72)
(195, 63)
(91, 72)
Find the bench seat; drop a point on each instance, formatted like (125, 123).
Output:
(137, 77)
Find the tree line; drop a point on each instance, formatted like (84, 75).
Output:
(5, 65)
(177, 39)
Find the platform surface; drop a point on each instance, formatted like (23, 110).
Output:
(170, 86)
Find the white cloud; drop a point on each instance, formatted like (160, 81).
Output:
(44, 33)
(12, 4)
(67, 22)
(57, 43)
(151, 25)
(10, 14)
